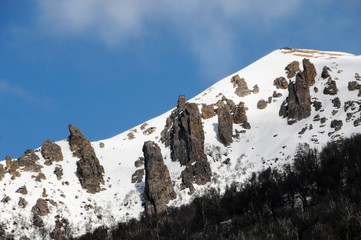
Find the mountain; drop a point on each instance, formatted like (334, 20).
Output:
(249, 121)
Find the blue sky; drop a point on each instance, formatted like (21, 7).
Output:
(106, 66)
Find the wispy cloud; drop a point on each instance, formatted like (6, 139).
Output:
(6, 88)
(204, 24)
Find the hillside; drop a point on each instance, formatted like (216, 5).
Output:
(231, 135)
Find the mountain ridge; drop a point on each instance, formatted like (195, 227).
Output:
(268, 141)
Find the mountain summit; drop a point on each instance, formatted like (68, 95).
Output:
(249, 121)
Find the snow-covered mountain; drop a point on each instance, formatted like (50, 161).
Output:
(311, 102)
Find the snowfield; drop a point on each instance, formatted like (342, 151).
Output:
(270, 142)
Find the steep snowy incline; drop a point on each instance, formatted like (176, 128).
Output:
(269, 142)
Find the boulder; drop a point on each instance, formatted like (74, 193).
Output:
(336, 102)
(239, 115)
(336, 124)
(22, 190)
(158, 185)
(261, 104)
(89, 170)
(58, 172)
(40, 208)
(38, 221)
(22, 202)
(280, 83)
(330, 88)
(255, 89)
(139, 162)
(309, 71)
(325, 74)
(292, 69)
(225, 125)
(353, 85)
(207, 111)
(51, 152)
(242, 88)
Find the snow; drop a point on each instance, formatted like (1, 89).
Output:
(270, 142)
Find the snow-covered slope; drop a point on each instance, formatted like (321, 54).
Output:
(270, 142)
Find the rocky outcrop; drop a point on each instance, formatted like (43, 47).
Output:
(8, 162)
(137, 177)
(225, 124)
(51, 152)
(330, 87)
(184, 134)
(2, 172)
(158, 185)
(336, 124)
(292, 69)
(309, 71)
(280, 83)
(242, 88)
(139, 162)
(207, 111)
(22, 202)
(22, 190)
(40, 208)
(298, 104)
(58, 172)
(325, 74)
(89, 170)
(336, 102)
(239, 115)
(353, 85)
(28, 162)
(299, 101)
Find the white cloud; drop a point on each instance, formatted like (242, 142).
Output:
(204, 24)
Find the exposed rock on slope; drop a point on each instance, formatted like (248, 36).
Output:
(28, 162)
(89, 170)
(225, 124)
(242, 88)
(309, 71)
(51, 152)
(184, 133)
(158, 185)
(292, 69)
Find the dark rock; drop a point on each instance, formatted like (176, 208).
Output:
(181, 101)
(149, 130)
(315, 89)
(261, 104)
(22, 190)
(302, 131)
(299, 100)
(353, 85)
(40, 208)
(130, 136)
(246, 125)
(38, 221)
(225, 125)
(269, 100)
(89, 170)
(51, 152)
(323, 120)
(208, 111)
(336, 102)
(239, 115)
(28, 162)
(280, 83)
(101, 145)
(283, 109)
(309, 71)
(56, 233)
(292, 69)
(276, 94)
(325, 73)
(139, 162)
(8, 162)
(22, 202)
(2, 172)
(58, 172)
(144, 125)
(39, 177)
(330, 88)
(137, 177)
(158, 185)
(5, 199)
(242, 88)
(336, 124)
(317, 105)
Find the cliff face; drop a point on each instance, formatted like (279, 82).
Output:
(158, 185)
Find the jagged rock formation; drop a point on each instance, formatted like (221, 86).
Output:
(309, 71)
(184, 133)
(51, 152)
(8, 162)
(28, 162)
(22, 190)
(239, 116)
(58, 172)
(292, 69)
(139, 162)
(242, 88)
(158, 185)
(298, 104)
(22, 202)
(137, 177)
(225, 124)
(280, 83)
(89, 170)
